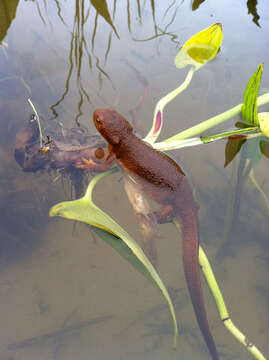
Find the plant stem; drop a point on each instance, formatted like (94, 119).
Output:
(215, 120)
(95, 179)
(178, 144)
(211, 138)
(224, 315)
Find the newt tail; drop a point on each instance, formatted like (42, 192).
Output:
(188, 222)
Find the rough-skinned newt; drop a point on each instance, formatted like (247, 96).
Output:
(164, 181)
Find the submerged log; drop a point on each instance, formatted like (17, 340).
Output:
(65, 154)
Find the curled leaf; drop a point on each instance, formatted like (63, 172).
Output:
(86, 211)
(200, 48)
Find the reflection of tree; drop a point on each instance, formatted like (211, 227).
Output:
(196, 4)
(158, 30)
(79, 47)
(82, 51)
(252, 9)
(251, 4)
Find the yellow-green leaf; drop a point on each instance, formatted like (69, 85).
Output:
(7, 14)
(200, 48)
(263, 119)
(86, 211)
(249, 109)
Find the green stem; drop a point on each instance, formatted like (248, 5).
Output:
(94, 181)
(208, 139)
(215, 120)
(224, 315)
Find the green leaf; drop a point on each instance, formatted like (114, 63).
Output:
(86, 211)
(233, 147)
(102, 9)
(264, 147)
(249, 109)
(200, 48)
(7, 14)
(119, 245)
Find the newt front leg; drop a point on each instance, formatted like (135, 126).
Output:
(101, 162)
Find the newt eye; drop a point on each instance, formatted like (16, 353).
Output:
(98, 120)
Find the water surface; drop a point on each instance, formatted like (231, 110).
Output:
(65, 294)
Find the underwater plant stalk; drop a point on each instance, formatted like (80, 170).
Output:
(254, 181)
(38, 121)
(224, 315)
(215, 120)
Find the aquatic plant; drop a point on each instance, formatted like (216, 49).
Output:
(86, 211)
(197, 51)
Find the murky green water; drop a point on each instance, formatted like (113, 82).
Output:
(64, 294)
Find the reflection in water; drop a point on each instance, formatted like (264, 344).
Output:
(251, 4)
(58, 335)
(22, 224)
(158, 30)
(79, 45)
(84, 47)
(252, 9)
(196, 4)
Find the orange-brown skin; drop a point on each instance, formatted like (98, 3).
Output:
(164, 181)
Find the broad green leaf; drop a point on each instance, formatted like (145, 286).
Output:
(119, 245)
(86, 211)
(102, 9)
(249, 109)
(7, 14)
(200, 48)
(232, 148)
(263, 119)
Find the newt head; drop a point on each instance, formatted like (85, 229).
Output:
(111, 125)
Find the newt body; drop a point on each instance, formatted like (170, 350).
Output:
(164, 181)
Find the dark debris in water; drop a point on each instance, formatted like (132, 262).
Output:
(58, 334)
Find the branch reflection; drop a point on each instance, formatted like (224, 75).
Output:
(251, 5)
(84, 39)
